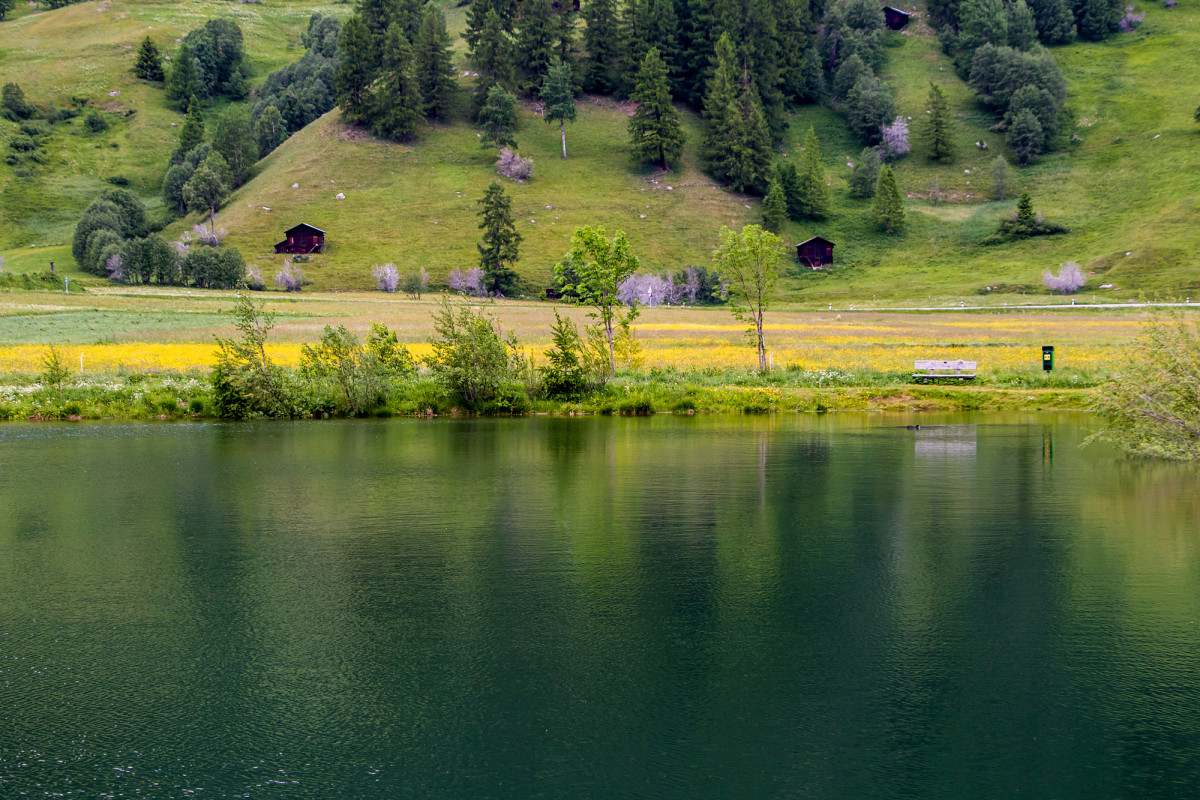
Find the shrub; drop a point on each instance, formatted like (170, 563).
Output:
(1131, 20)
(894, 139)
(416, 283)
(386, 277)
(95, 122)
(246, 383)
(469, 282)
(471, 358)
(254, 279)
(865, 174)
(348, 378)
(12, 101)
(1068, 280)
(1153, 401)
(512, 166)
(290, 278)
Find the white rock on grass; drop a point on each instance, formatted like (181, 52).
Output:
(339, 196)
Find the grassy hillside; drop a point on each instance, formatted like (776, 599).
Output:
(1126, 179)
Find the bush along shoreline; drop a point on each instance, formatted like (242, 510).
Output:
(478, 369)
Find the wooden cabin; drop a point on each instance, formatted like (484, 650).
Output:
(815, 253)
(894, 18)
(302, 239)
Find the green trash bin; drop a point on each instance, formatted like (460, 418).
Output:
(1047, 357)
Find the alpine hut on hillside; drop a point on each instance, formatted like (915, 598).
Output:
(894, 18)
(815, 253)
(303, 239)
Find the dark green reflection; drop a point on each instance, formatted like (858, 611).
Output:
(832, 607)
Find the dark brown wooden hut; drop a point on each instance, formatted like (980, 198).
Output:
(815, 253)
(895, 18)
(304, 239)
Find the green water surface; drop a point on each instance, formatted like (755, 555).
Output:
(703, 607)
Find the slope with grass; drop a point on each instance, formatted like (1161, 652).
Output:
(1125, 178)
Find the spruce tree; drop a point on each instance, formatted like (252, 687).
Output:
(434, 64)
(794, 40)
(378, 16)
(355, 70)
(500, 247)
(1025, 136)
(602, 41)
(149, 64)
(889, 205)
(558, 95)
(774, 210)
(181, 82)
(938, 135)
(395, 98)
(720, 107)
(752, 148)
(865, 174)
(789, 180)
(534, 43)
(5, 7)
(662, 32)
(498, 118)
(192, 133)
(564, 35)
(493, 58)
(813, 195)
(1026, 217)
(477, 11)
(654, 130)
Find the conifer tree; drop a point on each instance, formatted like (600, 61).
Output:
(697, 54)
(721, 99)
(1026, 136)
(434, 65)
(938, 135)
(477, 11)
(558, 95)
(752, 148)
(602, 41)
(181, 82)
(794, 40)
(654, 129)
(1097, 19)
(498, 118)
(149, 64)
(1022, 30)
(500, 247)
(5, 7)
(534, 43)
(395, 98)
(774, 208)
(865, 174)
(355, 70)
(493, 58)
(378, 16)
(563, 25)
(1054, 20)
(813, 195)
(889, 205)
(789, 181)
(662, 32)
(192, 132)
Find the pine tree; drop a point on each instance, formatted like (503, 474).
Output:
(814, 191)
(753, 144)
(395, 98)
(5, 7)
(720, 107)
(1026, 217)
(634, 41)
(865, 174)
(534, 43)
(938, 135)
(602, 41)
(662, 32)
(181, 83)
(477, 12)
(355, 70)
(192, 133)
(500, 248)
(498, 118)
(558, 95)
(378, 16)
(563, 25)
(434, 64)
(889, 205)
(493, 58)
(654, 129)
(774, 208)
(149, 64)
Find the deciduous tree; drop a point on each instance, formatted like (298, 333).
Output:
(749, 263)
(592, 272)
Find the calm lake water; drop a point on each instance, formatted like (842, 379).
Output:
(705, 607)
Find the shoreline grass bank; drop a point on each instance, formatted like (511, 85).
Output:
(189, 396)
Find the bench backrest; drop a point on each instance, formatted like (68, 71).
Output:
(958, 365)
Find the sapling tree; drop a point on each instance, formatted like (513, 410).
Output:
(597, 268)
(471, 358)
(749, 262)
(558, 93)
(246, 383)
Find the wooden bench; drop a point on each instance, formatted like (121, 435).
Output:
(961, 370)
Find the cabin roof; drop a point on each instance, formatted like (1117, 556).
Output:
(304, 225)
(815, 239)
(897, 10)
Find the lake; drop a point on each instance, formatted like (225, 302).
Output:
(811, 606)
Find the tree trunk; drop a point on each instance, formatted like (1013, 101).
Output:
(562, 126)
(612, 358)
(762, 345)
